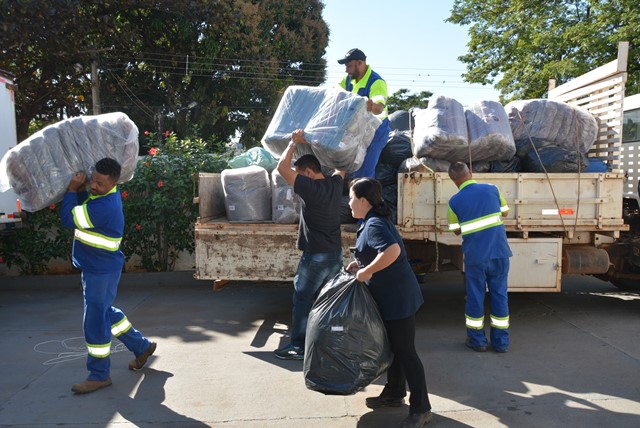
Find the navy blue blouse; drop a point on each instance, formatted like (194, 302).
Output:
(395, 288)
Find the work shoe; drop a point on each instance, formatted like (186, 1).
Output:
(139, 362)
(417, 420)
(475, 348)
(90, 385)
(382, 401)
(290, 352)
(501, 349)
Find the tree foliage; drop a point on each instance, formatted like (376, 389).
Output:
(519, 46)
(199, 67)
(403, 100)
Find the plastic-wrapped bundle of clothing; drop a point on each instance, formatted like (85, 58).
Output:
(39, 169)
(254, 156)
(490, 136)
(335, 122)
(247, 194)
(441, 130)
(551, 123)
(424, 164)
(285, 204)
(553, 158)
(397, 149)
(401, 120)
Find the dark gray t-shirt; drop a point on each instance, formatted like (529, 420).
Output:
(319, 230)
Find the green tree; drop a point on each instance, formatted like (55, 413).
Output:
(519, 46)
(203, 67)
(403, 100)
(158, 201)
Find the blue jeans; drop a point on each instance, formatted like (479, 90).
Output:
(380, 139)
(492, 274)
(314, 270)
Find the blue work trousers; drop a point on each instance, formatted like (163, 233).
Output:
(380, 139)
(492, 274)
(101, 319)
(314, 270)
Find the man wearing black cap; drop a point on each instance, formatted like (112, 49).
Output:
(362, 80)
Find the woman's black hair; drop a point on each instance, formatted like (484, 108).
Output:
(371, 190)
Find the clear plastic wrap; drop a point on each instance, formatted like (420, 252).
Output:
(336, 124)
(285, 204)
(490, 134)
(424, 164)
(247, 194)
(346, 343)
(39, 169)
(441, 130)
(254, 156)
(551, 122)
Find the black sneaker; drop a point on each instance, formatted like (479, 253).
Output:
(382, 401)
(290, 352)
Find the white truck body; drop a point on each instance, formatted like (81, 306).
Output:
(8, 140)
(555, 224)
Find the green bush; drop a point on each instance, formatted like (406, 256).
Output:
(158, 201)
(41, 239)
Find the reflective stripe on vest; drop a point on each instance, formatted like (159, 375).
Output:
(81, 217)
(97, 240)
(99, 351)
(500, 322)
(475, 323)
(481, 223)
(454, 226)
(120, 327)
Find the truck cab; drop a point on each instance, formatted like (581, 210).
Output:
(10, 212)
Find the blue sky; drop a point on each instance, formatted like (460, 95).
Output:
(407, 42)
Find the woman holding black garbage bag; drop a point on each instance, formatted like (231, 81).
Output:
(381, 262)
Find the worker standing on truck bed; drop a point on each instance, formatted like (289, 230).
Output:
(98, 221)
(362, 80)
(319, 236)
(476, 211)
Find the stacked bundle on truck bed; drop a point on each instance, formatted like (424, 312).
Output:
(247, 193)
(39, 169)
(285, 203)
(552, 134)
(446, 131)
(336, 124)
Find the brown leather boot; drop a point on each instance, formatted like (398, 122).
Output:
(90, 385)
(139, 362)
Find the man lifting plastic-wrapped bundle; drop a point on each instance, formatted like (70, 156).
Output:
(346, 346)
(247, 194)
(335, 122)
(40, 168)
(548, 123)
(441, 130)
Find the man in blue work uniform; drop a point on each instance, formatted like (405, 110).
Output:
(98, 221)
(476, 211)
(362, 80)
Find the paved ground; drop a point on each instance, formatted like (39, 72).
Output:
(574, 360)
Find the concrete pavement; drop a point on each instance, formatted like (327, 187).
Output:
(574, 359)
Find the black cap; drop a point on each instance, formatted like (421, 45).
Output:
(353, 54)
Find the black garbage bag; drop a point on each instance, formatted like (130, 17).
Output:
(346, 344)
